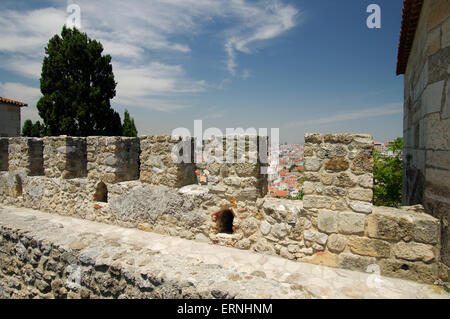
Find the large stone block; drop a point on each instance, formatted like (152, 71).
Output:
(337, 164)
(361, 194)
(313, 164)
(337, 243)
(65, 157)
(361, 207)
(369, 247)
(351, 223)
(344, 179)
(414, 252)
(327, 221)
(312, 201)
(113, 159)
(396, 224)
(438, 13)
(355, 262)
(432, 97)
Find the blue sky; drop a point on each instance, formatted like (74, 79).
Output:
(301, 66)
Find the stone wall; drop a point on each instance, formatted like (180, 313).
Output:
(234, 167)
(9, 120)
(335, 226)
(159, 168)
(338, 172)
(26, 156)
(427, 118)
(113, 159)
(65, 157)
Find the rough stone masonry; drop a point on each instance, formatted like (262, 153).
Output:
(135, 183)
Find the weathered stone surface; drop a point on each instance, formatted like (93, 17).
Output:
(265, 228)
(310, 235)
(414, 251)
(337, 164)
(413, 271)
(26, 156)
(369, 247)
(327, 221)
(361, 194)
(397, 224)
(355, 262)
(338, 138)
(335, 191)
(79, 273)
(344, 180)
(366, 180)
(362, 163)
(337, 243)
(321, 238)
(313, 138)
(361, 207)
(351, 223)
(311, 201)
(65, 157)
(313, 164)
(112, 159)
(323, 258)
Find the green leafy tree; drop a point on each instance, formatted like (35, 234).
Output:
(129, 128)
(32, 130)
(388, 170)
(77, 84)
(27, 128)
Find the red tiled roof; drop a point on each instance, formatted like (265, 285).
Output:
(411, 15)
(12, 102)
(280, 194)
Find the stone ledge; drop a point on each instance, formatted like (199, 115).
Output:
(42, 255)
(43, 259)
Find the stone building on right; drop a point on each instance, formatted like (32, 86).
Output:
(423, 58)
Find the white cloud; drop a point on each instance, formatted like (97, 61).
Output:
(390, 109)
(259, 23)
(25, 94)
(27, 67)
(246, 74)
(20, 92)
(131, 31)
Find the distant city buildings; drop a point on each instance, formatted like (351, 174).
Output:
(288, 182)
(289, 178)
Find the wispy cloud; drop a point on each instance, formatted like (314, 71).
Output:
(213, 113)
(390, 109)
(137, 33)
(259, 23)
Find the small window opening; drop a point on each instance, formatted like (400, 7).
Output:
(18, 188)
(101, 193)
(405, 267)
(225, 222)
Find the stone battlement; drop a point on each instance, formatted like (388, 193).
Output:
(139, 183)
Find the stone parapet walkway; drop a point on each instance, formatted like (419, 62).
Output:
(209, 271)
